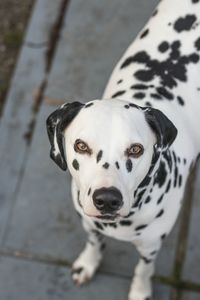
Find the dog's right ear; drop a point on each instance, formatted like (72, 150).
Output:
(56, 124)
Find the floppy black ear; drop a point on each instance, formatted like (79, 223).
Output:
(56, 124)
(164, 129)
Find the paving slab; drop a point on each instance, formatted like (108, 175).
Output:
(191, 269)
(18, 112)
(35, 281)
(190, 296)
(94, 36)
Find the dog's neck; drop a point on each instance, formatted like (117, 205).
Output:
(160, 174)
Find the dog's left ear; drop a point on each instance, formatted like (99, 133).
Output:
(56, 124)
(164, 129)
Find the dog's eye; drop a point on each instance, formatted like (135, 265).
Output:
(82, 147)
(135, 150)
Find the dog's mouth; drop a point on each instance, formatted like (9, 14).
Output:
(108, 218)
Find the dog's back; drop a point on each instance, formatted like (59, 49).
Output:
(161, 69)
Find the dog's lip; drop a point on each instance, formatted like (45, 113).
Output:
(108, 218)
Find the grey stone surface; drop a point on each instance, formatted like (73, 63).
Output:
(29, 73)
(192, 263)
(95, 35)
(37, 215)
(35, 281)
(190, 296)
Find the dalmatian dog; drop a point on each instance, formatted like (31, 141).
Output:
(130, 152)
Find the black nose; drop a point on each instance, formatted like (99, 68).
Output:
(107, 200)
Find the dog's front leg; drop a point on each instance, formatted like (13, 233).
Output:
(89, 260)
(141, 286)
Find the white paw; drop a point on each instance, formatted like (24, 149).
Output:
(140, 289)
(138, 296)
(83, 269)
(81, 275)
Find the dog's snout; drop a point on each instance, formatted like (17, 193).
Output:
(107, 200)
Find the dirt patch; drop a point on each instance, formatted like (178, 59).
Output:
(14, 16)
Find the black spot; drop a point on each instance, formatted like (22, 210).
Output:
(197, 44)
(184, 161)
(161, 175)
(148, 199)
(146, 260)
(126, 106)
(155, 13)
(138, 198)
(169, 71)
(129, 165)
(174, 156)
(119, 93)
(148, 104)
(99, 155)
(156, 96)
(98, 225)
(89, 104)
(160, 213)
(134, 105)
(117, 165)
(180, 180)
(168, 159)
(145, 33)
(125, 223)
(168, 186)
(175, 176)
(139, 87)
(140, 57)
(160, 199)
(153, 253)
(139, 95)
(113, 225)
(194, 58)
(144, 75)
(195, 1)
(75, 164)
(140, 227)
(119, 81)
(77, 271)
(180, 100)
(130, 214)
(163, 236)
(184, 23)
(163, 47)
(165, 93)
(89, 191)
(145, 182)
(106, 165)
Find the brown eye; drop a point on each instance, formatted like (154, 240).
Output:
(135, 150)
(82, 147)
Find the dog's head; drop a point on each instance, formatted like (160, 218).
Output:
(109, 146)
